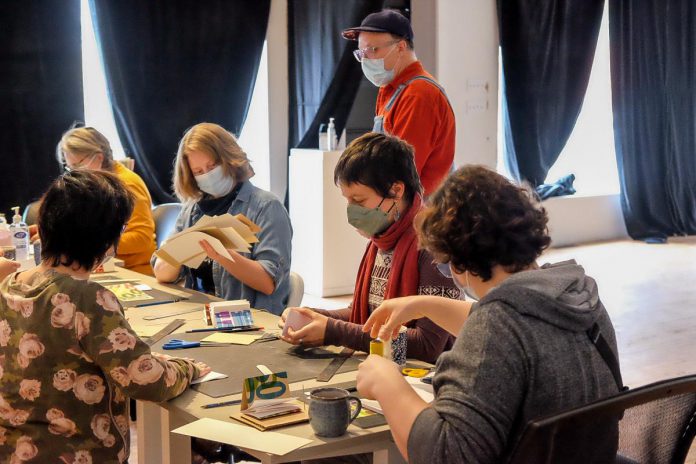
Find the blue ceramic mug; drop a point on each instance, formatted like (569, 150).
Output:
(330, 411)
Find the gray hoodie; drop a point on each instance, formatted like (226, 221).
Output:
(522, 353)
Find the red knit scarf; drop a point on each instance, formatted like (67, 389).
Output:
(403, 276)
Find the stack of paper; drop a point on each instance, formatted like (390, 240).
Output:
(263, 409)
(223, 232)
(229, 319)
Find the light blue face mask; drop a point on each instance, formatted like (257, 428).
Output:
(373, 68)
(446, 270)
(215, 182)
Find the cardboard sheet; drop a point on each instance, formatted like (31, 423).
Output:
(242, 436)
(233, 338)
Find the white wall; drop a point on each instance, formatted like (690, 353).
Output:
(278, 99)
(457, 41)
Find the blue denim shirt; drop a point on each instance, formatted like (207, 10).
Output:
(272, 250)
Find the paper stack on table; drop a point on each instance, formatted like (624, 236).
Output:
(263, 409)
(222, 232)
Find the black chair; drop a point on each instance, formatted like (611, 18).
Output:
(165, 219)
(651, 424)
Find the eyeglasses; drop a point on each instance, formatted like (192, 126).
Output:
(444, 269)
(79, 164)
(369, 52)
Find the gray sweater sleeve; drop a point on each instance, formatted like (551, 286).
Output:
(479, 387)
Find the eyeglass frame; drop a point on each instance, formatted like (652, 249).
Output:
(79, 164)
(445, 269)
(359, 53)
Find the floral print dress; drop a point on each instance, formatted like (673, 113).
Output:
(68, 363)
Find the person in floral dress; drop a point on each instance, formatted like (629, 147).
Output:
(69, 360)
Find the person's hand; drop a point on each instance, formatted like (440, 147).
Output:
(284, 317)
(378, 374)
(7, 267)
(310, 335)
(385, 321)
(203, 369)
(33, 233)
(214, 255)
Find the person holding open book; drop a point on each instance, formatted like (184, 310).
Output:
(211, 177)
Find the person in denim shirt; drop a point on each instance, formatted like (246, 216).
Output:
(211, 177)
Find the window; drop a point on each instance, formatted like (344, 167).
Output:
(589, 152)
(255, 136)
(98, 111)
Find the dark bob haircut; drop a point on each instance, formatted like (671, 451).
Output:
(478, 219)
(378, 161)
(82, 214)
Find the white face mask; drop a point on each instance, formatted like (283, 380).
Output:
(373, 68)
(215, 182)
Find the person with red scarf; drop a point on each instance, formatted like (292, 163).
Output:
(377, 176)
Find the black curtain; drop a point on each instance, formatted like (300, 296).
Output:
(324, 76)
(547, 49)
(40, 92)
(653, 66)
(172, 64)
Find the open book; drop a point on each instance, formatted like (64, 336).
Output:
(223, 232)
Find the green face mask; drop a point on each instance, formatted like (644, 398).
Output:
(371, 221)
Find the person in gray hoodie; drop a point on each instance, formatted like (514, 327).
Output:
(523, 350)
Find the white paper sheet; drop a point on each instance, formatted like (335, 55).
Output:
(242, 436)
(208, 377)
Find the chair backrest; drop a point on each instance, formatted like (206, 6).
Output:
(165, 219)
(651, 424)
(296, 290)
(30, 215)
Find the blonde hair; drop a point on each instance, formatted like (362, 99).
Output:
(221, 145)
(85, 141)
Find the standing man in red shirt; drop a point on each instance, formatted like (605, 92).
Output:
(411, 104)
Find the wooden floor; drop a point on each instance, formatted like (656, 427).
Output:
(650, 293)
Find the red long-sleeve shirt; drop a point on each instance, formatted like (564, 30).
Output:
(423, 117)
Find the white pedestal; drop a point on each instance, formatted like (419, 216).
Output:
(326, 250)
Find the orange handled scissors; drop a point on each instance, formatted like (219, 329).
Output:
(418, 373)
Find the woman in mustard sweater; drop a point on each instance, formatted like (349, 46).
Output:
(87, 148)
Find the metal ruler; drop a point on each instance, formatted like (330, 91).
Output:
(166, 330)
(334, 365)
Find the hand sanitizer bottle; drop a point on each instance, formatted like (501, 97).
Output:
(20, 235)
(331, 135)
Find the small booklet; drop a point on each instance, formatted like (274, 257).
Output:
(263, 409)
(267, 404)
(223, 232)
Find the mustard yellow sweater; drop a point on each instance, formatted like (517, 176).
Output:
(138, 239)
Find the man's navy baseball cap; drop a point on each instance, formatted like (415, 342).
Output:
(390, 21)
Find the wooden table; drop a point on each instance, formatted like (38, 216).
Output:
(156, 443)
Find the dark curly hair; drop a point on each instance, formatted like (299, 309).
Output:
(478, 219)
(82, 214)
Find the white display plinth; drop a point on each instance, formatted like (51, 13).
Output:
(326, 250)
